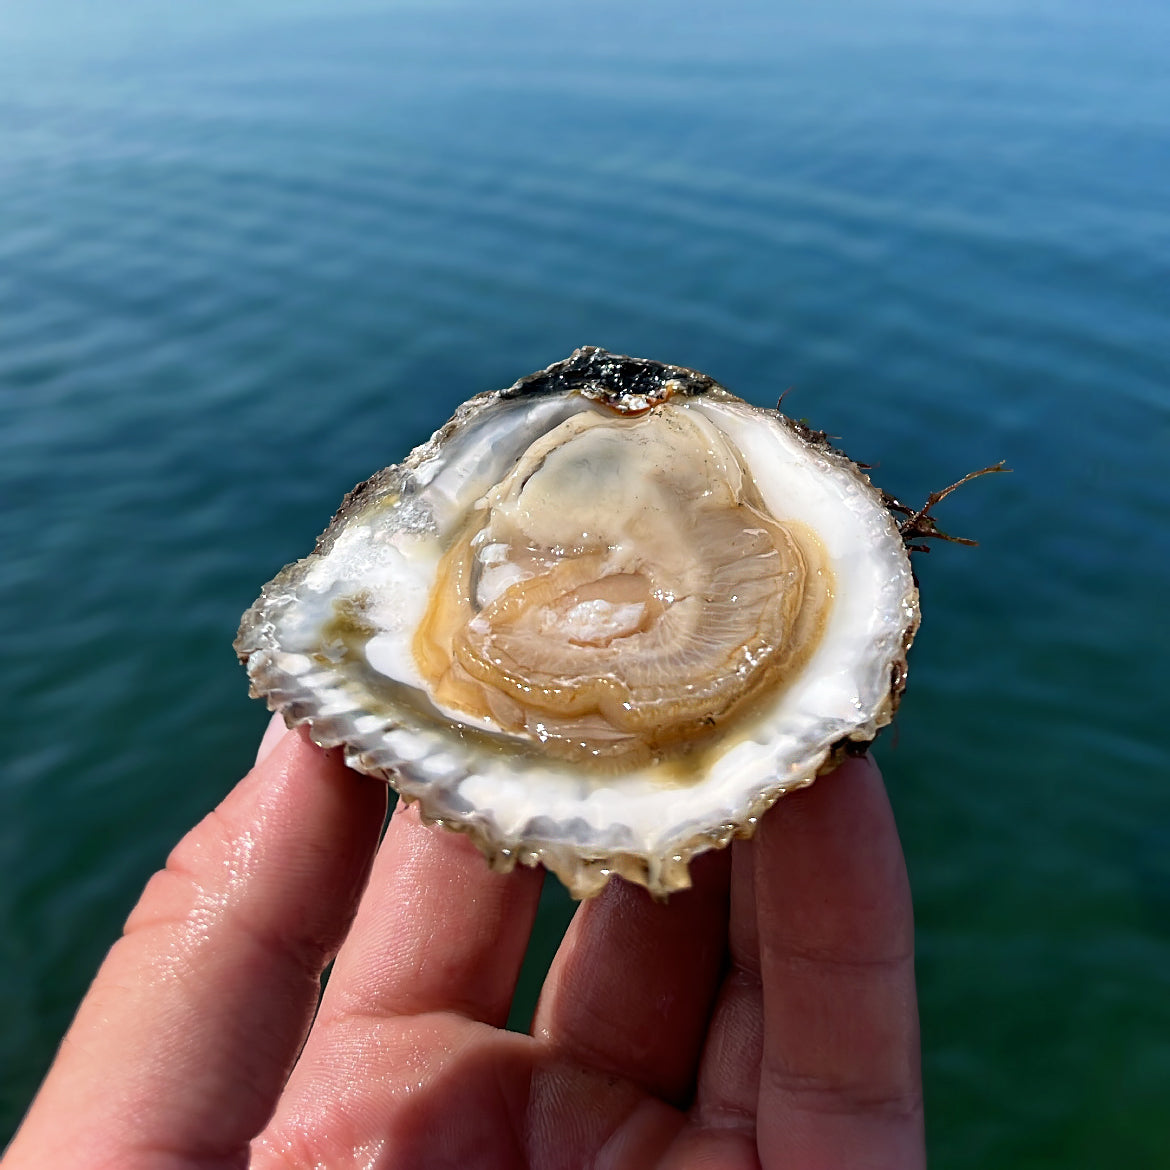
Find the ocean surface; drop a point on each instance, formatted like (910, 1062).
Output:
(251, 252)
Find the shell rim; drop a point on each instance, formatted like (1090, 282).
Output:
(583, 873)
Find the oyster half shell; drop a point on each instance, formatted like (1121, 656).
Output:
(602, 620)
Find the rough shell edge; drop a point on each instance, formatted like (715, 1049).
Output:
(584, 877)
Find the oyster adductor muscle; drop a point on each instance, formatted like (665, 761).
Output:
(602, 620)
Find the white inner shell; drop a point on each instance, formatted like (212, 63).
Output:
(392, 566)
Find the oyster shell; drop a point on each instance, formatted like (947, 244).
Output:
(602, 620)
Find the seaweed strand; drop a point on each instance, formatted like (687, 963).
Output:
(920, 525)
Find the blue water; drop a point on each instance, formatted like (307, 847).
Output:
(250, 253)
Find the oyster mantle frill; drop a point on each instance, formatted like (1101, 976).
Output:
(602, 620)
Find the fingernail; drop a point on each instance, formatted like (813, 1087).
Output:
(273, 734)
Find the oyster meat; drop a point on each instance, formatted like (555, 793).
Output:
(601, 621)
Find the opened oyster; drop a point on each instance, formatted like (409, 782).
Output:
(602, 620)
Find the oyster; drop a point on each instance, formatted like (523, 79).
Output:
(602, 620)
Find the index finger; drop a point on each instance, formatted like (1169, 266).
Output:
(191, 1025)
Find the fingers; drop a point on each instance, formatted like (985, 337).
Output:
(630, 989)
(436, 945)
(840, 1082)
(188, 1032)
(438, 930)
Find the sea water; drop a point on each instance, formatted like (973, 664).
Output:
(250, 253)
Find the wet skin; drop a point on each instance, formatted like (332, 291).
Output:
(766, 1017)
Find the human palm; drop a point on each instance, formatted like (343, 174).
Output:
(765, 1017)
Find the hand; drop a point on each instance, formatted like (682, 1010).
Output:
(765, 1017)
